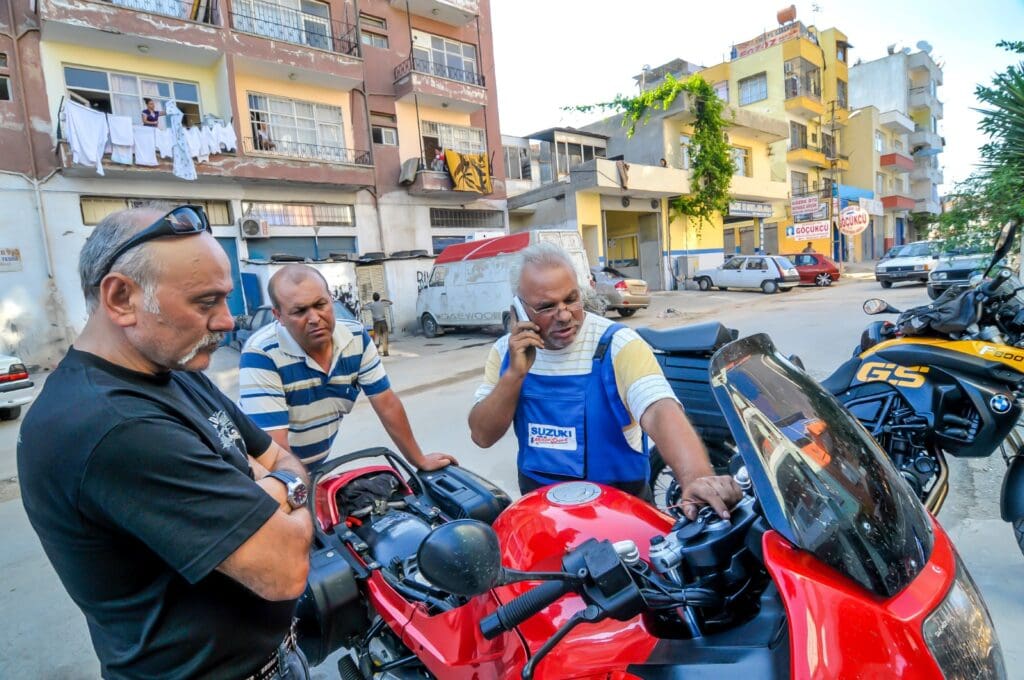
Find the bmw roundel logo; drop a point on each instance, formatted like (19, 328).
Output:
(1000, 403)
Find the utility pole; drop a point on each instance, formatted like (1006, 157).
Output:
(834, 171)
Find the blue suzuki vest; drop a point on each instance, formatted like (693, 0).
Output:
(570, 426)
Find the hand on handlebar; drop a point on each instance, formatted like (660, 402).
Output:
(721, 492)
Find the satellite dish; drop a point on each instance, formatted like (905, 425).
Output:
(906, 50)
(924, 46)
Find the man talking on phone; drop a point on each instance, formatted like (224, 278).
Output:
(581, 391)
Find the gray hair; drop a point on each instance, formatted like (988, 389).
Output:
(544, 255)
(136, 264)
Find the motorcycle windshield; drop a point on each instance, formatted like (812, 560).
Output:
(821, 479)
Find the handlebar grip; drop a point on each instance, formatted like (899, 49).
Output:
(508, 616)
(992, 286)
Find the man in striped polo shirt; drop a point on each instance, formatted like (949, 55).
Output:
(300, 375)
(581, 392)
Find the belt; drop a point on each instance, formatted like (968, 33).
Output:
(272, 666)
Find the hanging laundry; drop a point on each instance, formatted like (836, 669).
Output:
(145, 145)
(164, 142)
(183, 165)
(121, 139)
(226, 137)
(87, 134)
(210, 139)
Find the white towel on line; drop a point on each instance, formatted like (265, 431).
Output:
(119, 153)
(120, 130)
(145, 145)
(226, 137)
(164, 142)
(210, 140)
(87, 134)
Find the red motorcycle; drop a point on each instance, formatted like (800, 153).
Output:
(828, 568)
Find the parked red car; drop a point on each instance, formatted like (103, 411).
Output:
(815, 269)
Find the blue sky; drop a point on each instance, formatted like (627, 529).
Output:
(554, 53)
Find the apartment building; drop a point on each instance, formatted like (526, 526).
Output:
(617, 191)
(799, 75)
(337, 112)
(884, 167)
(906, 83)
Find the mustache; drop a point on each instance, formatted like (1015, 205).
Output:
(209, 340)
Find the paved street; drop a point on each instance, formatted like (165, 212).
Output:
(43, 635)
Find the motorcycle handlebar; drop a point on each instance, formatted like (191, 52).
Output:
(508, 616)
(990, 288)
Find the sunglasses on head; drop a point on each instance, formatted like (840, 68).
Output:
(184, 220)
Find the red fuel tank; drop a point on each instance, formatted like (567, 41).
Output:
(537, 530)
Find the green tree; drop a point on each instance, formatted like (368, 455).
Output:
(711, 162)
(994, 195)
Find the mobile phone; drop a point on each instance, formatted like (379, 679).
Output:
(518, 310)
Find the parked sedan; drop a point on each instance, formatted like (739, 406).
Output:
(15, 387)
(622, 294)
(955, 272)
(815, 268)
(246, 325)
(770, 273)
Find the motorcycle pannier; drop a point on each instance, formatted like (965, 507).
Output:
(461, 494)
(330, 610)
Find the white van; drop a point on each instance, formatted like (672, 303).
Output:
(472, 283)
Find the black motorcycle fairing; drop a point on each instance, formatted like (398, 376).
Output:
(842, 377)
(758, 649)
(1011, 503)
(696, 338)
(823, 482)
(911, 354)
(987, 429)
(876, 332)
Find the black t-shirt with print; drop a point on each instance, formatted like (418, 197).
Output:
(139, 487)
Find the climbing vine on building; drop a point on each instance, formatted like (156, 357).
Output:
(711, 162)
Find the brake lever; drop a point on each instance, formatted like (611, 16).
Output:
(590, 614)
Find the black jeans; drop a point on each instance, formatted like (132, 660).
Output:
(640, 489)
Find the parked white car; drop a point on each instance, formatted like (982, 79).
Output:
(15, 387)
(770, 273)
(911, 262)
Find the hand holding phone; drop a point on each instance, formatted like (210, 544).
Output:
(523, 342)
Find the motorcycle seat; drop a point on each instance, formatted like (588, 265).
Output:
(701, 337)
(840, 380)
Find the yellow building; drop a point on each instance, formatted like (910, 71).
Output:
(617, 191)
(882, 164)
(798, 75)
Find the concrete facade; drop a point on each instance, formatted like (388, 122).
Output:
(370, 65)
(907, 83)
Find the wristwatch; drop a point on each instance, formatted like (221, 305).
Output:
(297, 489)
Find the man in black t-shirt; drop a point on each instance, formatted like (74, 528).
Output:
(176, 525)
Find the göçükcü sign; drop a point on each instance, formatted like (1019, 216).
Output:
(853, 220)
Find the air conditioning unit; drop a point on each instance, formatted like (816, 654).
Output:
(253, 228)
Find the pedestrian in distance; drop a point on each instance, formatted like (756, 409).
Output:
(150, 115)
(301, 375)
(177, 526)
(580, 392)
(808, 248)
(379, 312)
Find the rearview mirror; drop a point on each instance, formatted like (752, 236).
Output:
(461, 557)
(874, 306)
(1003, 244)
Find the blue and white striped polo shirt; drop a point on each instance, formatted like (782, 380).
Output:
(281, 386)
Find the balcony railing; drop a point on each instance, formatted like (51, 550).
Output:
(304, 151)
(270, 20)
(803, 87)
(804, 145)
(188, 10)
(419, 65)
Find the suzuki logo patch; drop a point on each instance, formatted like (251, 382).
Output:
(551, 437)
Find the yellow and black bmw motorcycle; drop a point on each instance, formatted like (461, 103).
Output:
(946, 379)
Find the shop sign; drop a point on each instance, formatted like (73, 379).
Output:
(10, 260)
(873, 206)
(766, 40)
(749, 209)
(853, 220)
(810, 231)
(808, 209)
